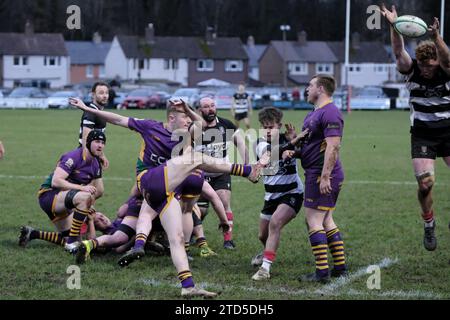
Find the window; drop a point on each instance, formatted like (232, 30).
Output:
(205, 65)
(353, 68)
(24, 61)
(101, 73)
(20, 61)
(296, 68)
(381, 68)
(52, 61)
(89, 71)
(234, 65)
(141, 63)
(326, 68)
(17, 61)
(170, 64)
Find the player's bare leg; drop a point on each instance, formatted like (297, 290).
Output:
(424, 172)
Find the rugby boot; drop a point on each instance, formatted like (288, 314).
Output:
(257, 260)
(130, 256)
(24, 237)
(197, 292)
(313, 277)
(261, 274)
(229, 245)
(429, 239)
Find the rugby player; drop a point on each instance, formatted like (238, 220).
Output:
(324, 177)
(158, 184)
(427, 77)
(216, 139)
(69, 193)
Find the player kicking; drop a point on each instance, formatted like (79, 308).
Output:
(323, 178)
(427, 78)
(68, 194)
(158, 184)
(283, 189)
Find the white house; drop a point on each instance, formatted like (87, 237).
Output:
(184, 60)
(149, 58)
(39, 59)
(369, 63)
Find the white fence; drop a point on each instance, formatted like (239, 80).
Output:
(23, 103)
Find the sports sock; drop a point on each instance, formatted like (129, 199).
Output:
(186, 280)
(140, 241)
(240, 170)
(201, 242)
(79, 216)
(53, 237)
(269, 258)
(336, 246)
(428, 218)
(227, 236)
(92, 244)
(318, 240)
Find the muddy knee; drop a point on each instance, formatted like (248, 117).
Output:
(425, 181)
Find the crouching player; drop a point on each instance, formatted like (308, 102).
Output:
(69, 193)
(283, 189)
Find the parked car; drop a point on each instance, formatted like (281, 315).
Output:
(224, 98)
(187, 94)
(60, 99)
(370, 92)
(138, 99)
(119, 99)
(159, 99)
(28, 92)
(273, 94)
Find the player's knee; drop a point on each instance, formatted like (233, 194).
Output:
(275, 225)
(426, 182)
(176, 239)
(83, 200)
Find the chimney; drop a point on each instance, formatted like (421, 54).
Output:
(150, 34)
(29, 28)
(210, 35)
(250, 41)
(96, 38)
(356, 40)
(302, 38)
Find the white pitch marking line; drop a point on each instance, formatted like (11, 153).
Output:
(342, 281)
(240, 180)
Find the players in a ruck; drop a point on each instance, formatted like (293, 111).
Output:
(158, 184)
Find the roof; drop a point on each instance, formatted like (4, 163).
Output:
(312, 51)
(87, 52)
(37, 44)
(300, 79)
(182, 47)
(373, 51)
(254, 52)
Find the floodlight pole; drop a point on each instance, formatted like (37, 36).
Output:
(442, 17)
(284, 28)
(347, 49)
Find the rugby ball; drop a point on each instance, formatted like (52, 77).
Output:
(410, 26)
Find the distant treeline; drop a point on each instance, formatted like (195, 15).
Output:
(321, 19)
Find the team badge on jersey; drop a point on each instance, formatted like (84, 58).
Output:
(69, 163)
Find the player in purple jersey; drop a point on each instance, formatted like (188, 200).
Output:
(427, 79)
(69, 193)
(323, 177)
(166, 172)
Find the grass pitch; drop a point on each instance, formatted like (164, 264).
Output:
(377, 212)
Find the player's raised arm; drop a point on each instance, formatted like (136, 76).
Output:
(404, 61)
(110, 117)
(442, 50)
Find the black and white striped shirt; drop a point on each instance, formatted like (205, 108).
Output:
(91, 121)
(241, 102)
(429, 103)
(286, 179)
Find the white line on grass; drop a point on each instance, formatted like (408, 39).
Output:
(239, 180)
(342, 281)
(332, 289)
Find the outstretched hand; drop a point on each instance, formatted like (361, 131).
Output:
(300, 138)
(290, 131)
(76, 102)
(225, 226)
(391, 16)
(434, 28)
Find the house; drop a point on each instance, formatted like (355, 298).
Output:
(302, 60)
(38, 59)
(87, 59)
(254, 52)
(183, 60)
(369, 62)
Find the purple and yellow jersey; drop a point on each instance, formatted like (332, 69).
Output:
(157, 143)
(80, 169)
(325, 121)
